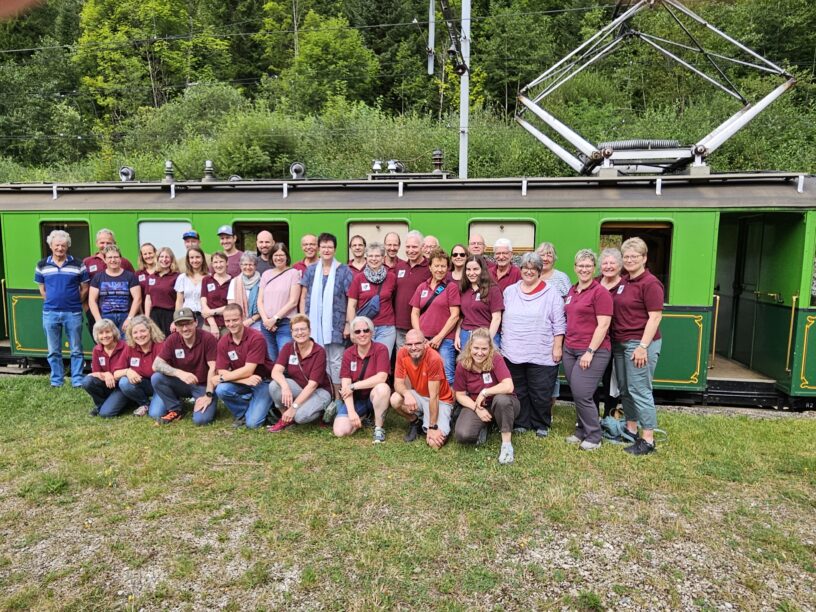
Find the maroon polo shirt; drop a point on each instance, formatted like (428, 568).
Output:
(302, 265)
(513, 275)
(385, 263)
(139, 361)
(362, 291)
(143, 276)
(162, 290)
(434, 318)
(192, 359)
(582, 310)
(252, 349)
(355, 271)
(96, 264)
(216, 295)
(408, 279)
(102, 362)
(477, 311)
(303, 369)
(352, 366)
(234, 263)
(472, 383)
(633, 300)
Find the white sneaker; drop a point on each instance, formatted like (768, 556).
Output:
(379, 435)
(589, 446)
(506, 454)
(572, 439)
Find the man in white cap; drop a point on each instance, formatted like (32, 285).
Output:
(227, 239)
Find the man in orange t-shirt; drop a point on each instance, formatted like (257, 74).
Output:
(421, 391)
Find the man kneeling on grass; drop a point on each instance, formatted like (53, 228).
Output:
(421, 391)
(185, 367)
(243, 371)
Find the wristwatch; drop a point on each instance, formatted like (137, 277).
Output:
(433, 426)
(208, 393)
(220, 378)
(295, 406)
(590, 350)
(643, 346)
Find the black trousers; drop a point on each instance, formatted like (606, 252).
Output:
(534, 386)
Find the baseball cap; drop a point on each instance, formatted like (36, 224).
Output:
(183, 314)
(225, 229)
(190, 234)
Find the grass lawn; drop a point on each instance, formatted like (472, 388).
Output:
(124, 514)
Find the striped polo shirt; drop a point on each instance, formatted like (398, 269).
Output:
(62, 283)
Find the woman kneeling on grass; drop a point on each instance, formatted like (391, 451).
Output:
(363, 386)
(107, 361)
(484, 390)
(300, 386)
(144, 341)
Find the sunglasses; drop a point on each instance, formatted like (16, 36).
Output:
(357, 332)
(458, 254)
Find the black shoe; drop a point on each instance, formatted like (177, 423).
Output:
(640, 447)
(94, 412)
(239, 422)
(629, 436)
(367, 421)
(413, 431)
(482, 436)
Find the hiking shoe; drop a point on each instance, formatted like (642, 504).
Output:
(506, 454)
(379, 435)
(239, 422)
(519, 430)
(640, 447)
(93, 412)
(629, 436)
(542, 432)
(279, 426)
(330, 412)
(586, 445)
(173, 415)
(482, 436)
(140, 411)
(413, 431)
(573, 440)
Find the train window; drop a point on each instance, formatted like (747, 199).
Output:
(80, 237)
(520, 233)
(375, 231)
(657, 236)
(164, 234)
(247, 231)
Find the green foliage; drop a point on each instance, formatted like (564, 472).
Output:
(254, 144)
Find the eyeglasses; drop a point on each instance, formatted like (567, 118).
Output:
(458, 254)
(300, 330)
(632, 257)
(357, 332)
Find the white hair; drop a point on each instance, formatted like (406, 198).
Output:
(105, 230)
(415, 234)
(58, 234)
(503, 242)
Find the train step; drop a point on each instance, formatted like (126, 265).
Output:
(730, 382)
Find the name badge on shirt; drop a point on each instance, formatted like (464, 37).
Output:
(478, 297)
(293, 360)
(620, 290)
(102, 361)
(135, 362)
(401, 274)
(365, 286)
(487, 378)
(141, 278)
(424, 294)
(353, 366)
(151, 281)
(92, 268)
(210, 286)
(567, 300)
(179, 353)
(232, 355)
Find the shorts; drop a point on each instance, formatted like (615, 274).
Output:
(362, 407)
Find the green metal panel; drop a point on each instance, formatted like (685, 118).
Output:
(25, 330)
(683, 363)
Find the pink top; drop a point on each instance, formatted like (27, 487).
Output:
(276, 287)
(582, 309)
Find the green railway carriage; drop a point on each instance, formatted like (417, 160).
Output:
(735, 252)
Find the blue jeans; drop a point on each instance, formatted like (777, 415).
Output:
(636, 383)
(387, 335)
(54, 322)
(276, 339)
(171, 390)
(119, 320)
(448, 354)
(250, 403)
(464, 336)
(141, 394)
(109, 402)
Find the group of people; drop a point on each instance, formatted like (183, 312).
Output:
(452, 341)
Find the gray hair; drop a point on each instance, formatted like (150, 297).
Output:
(503, 242)
(547, 246)
(111, 248)
(585, 254)
(361, 319)
(415, 234)
(101, 326)
(58, 234)
(612, 252)
(248, 257)
(105, 230)
(533, 260)
(375, 246)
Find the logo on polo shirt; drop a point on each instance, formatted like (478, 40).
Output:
(179, 353)
(401, 274)
(101, 361)
(568, 300)
(293, 360)
(353, 366)
(424, 294)
(487, 378)
(141, 278)
(232, 355)
(620, 289)
(478, 297)
(92, 268)
(151, 281)
(210, 286)
(135, 362)
(365, 286)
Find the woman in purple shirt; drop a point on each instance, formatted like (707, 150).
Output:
(533, 328)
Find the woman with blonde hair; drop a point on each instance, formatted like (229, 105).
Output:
(160, 300)
(484, 389)
(107, 365)
(147, 265)
(144, 340)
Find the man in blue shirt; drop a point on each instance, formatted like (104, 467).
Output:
(63, 283)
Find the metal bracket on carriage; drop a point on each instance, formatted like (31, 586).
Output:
(645, 155)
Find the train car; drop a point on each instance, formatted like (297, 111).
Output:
(735, 252)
